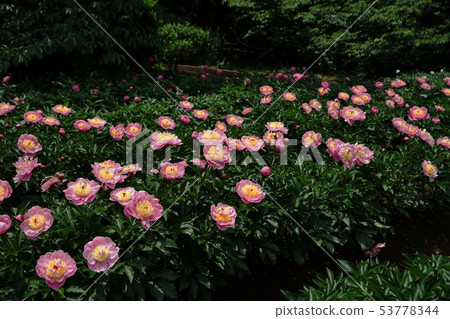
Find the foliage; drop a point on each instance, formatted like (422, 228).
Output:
(184, 255)
(418, 278)
(58, 30)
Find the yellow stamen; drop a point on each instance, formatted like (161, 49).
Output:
(144, 208)
(100, 253)
(82, 189)
(56, 268)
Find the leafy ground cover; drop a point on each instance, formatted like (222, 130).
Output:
(342, 158)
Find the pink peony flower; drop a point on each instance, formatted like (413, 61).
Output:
(276, 127)
(6, 79)
(234, 120)
(211, 137)
(75, 88)
(234, 144)
(288, 96)
(332, 148)
(390, 92)
(266, 90)
(223, 215)
(5, 224)
(343, 96)
(444, 141)
(429, 170)
(297, 76)
(97, 122)
(418, 113)
(50, 121)
(133, 129)
(144, 207)
(201, 114)
(61, 109)
(173, 170)
(82, 191)
(378, 85)
(323, 91)
(24, 168)
(5, 190)
(426, 137)
(266, 100)
(36, 221)
(117, 132)
(252, 143)
(32, 117)
(101, 253)
(249, 192)
(439, 108)
(126, 98)
(5, 108)
(82, 125)
(55, 267)
(166, 122)
(426, 86)
(270, 138)
(351, 114)
(446, 91)
(363, 154)
(265, 171)
(306, 107)
(107, 175)
(159, 140)
(347, 154)
(217, 155)
(122, 195)
(95, 91)
(186, 105)
(334, 104)
(45, 186)
(374, 110)
(333, 113)
(311, 138)
(198, 162)
(247, 110)
(185, 119)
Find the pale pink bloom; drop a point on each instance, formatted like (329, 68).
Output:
(97, 122)
(333, 113)
(249, 191)
(166, 122)
(45, 186)
(311, 138)
(325, 85)
(411, 130)
(82, 125)
(252, 143)
(101, 253)
(426, 86)
(32, 117)
(315, 104)
(131, 169)
(398, 99)
(173, 170)
(201, 114)
(75, 88)
(332, 147)
(55, 267)
(426, 137)
(126, 98)
(366, 97)
(351, 114)
(28, 144)
(390, 92)
(323, 91)
(334, 104)
(220, 126)
(276, 127)
(280, 145)
(223, 215)
(378, 85)
(359, 89)
(161, 139)
(306, 107)
(198, 162)
(5, 190)
(50, 121)
(266, 90)
(6, 79)
(343, 96)
(61, 109)
(445, 141)
(133, 129)
(137, 99)
(446, 91)
(270, 138)
(390, 104)
(194, 135)
(186, 105)
(418, 113)
(5, 108)
(363, 154)
(289, 96)
(439, 108)
(347, 154)
(117, 132)
(374, 109)
(82, 191)
(212, 137)
(446, 80)
(357, 100)
(429, 170)
(234, 120)
(421, 79)
(247, 110)
(297, 76)
(266, 100)
(122, 195)
(144, 207)
(5, 224)
(185, 119)
(265, 171)
(217, 155)
(235, 144)
(24, 168)
(108, 176)
(36, 221)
